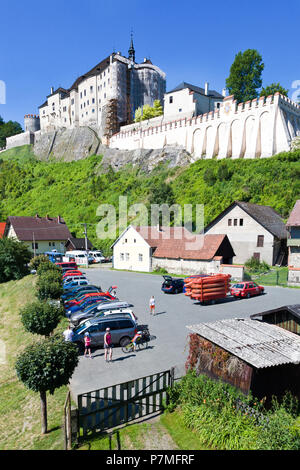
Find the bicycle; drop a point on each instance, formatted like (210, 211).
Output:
(139, 339)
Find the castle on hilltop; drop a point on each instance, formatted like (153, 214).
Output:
(202, 121)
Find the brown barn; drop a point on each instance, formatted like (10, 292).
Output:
(287, 317)
(253, 356)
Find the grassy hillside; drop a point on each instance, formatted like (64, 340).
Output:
(75, 190)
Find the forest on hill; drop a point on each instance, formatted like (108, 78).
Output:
(75, 189)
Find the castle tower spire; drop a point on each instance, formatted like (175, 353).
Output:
(131, 50)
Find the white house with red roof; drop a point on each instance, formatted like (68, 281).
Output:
(175, 249)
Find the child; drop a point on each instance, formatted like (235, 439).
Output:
(87, 344)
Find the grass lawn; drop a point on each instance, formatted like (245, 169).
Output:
(275, 277)
(20, 423)
(165, 432)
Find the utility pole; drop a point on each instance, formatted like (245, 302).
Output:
(86, 244)
(34, 251)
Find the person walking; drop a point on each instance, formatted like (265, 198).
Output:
(152, 305)
(108, 345)
(87, 345)
(68, 334)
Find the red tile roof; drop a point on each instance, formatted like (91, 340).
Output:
(294, 218)
(2, 228)
(41, 228)
(177, 242)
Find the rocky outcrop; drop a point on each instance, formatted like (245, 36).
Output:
(66, 144)
(81, 142)
(143, 158)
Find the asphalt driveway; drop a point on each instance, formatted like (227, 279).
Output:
(168, 347)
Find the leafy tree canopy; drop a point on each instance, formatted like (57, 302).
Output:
(14, 259)
(148, 111)
(7, 129)
(245, 75)
(272, 89)
(41, 317)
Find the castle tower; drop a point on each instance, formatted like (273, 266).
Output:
(31, 123)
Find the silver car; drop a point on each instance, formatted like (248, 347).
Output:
(81, 315)
(122, 329)
(120, 311)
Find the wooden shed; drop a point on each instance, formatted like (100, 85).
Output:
(287, 317)
(253, 356)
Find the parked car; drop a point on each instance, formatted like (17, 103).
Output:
(68, 274)
(72, 293)
(97, 310)
(122, 330)
(78, 296)
(104, 313)
(246, 289)
(81, 297)
(172, 285)
(74, 278)
(81, 282)
(67, 265)
(84, 303)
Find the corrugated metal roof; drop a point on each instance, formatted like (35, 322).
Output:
(293, 309)
(259, 344)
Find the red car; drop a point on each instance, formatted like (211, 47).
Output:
(72, 273)
(246, 289)
(72, 302)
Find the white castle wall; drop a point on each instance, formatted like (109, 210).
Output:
(258, 128)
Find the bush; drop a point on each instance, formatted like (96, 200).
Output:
(14, 259)
(47, 266)
(254, 265)
(41, 317)
(37, 260)
(49, 285)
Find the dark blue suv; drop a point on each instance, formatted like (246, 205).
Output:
(172, 285)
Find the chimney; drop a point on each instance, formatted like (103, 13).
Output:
(206, 88)
(52, 90)
(59, 219)
(47, 217)
(224, 91)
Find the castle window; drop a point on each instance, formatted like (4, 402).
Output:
(241, 222)
(81, 94)
(88, 102)
(104, 95)
(84, 92)
(93, 110)
(93, 100)
(72, 101)
(171, 99)
(179, 110)
(91, 89)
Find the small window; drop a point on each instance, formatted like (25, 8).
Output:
(34, 246)
(241, 222)
(84, 92)
(127, 256)
(140, 257)
(260, 240)
(91, 89)
(179, 110)
(256, 256)
(235, 222)
(134, 241)
(122, 256)
(171, 99)
(229, 222)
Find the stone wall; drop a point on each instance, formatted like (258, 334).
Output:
(25, 138)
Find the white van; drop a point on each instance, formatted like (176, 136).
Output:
(79, 256)
(98, 256)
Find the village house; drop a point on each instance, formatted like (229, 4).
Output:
(293, 243)
(40, 234)
(78, 244)
(254, 231)
(253, 356)
(175, 249)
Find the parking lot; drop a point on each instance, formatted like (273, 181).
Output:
(168, 347)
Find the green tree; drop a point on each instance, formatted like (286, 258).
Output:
(46, 366)
(41, 317)
(7, 129)
(245, 75)
(45, 266)
(272, 89)
(148, 111)
(37, 260)
(14, 259)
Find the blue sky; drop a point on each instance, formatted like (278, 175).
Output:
(46, 44)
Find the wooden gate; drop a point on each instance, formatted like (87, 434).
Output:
(111, 406)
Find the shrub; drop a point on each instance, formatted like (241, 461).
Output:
(254, 265)
(47, 266)
(41, 317)
(37, 260)
(49, 285)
